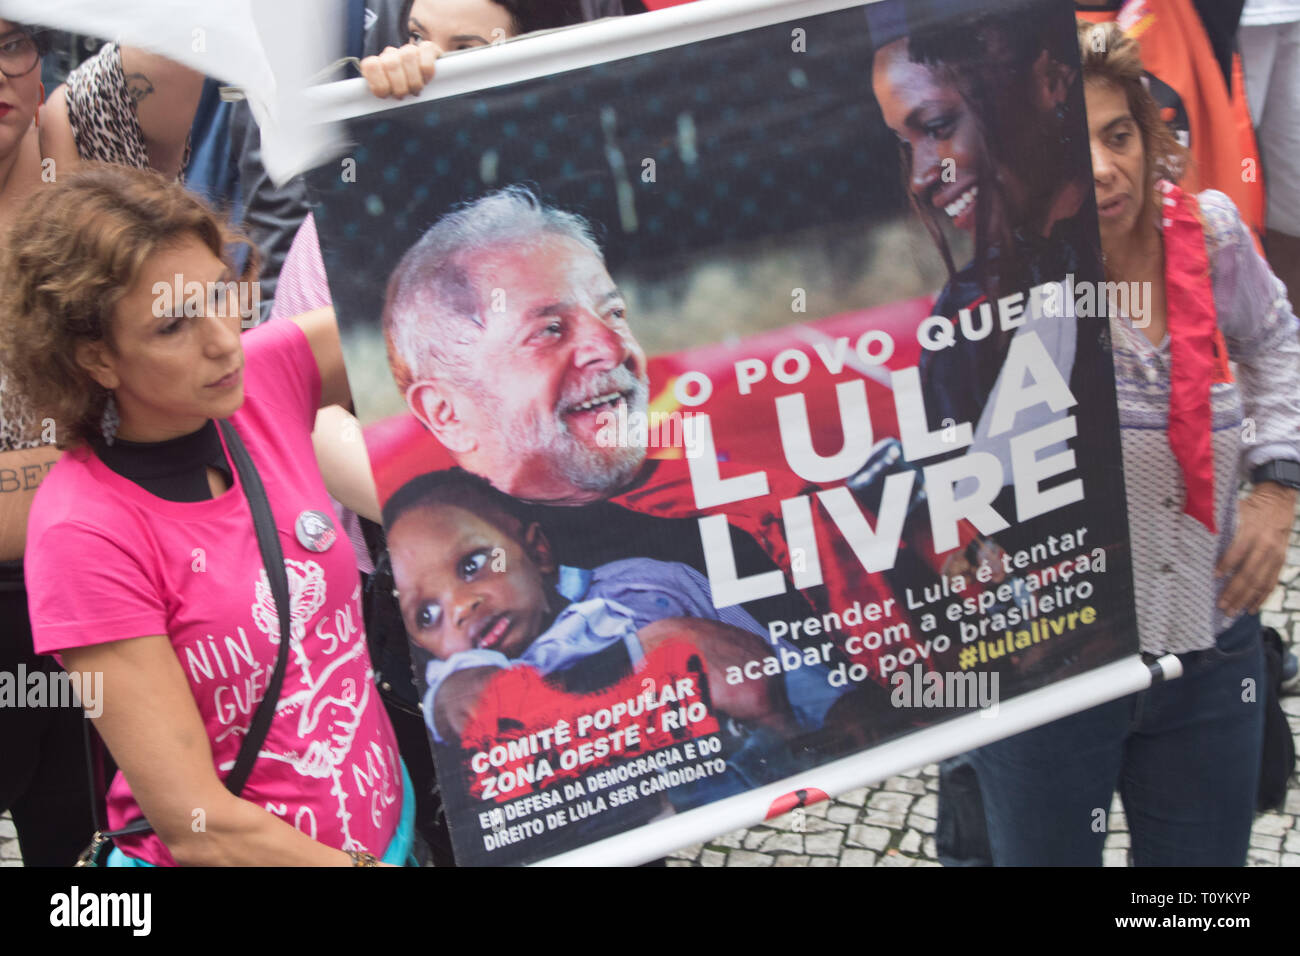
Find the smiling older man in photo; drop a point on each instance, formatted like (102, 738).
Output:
(511, 344)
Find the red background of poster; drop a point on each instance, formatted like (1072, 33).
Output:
(401, 448)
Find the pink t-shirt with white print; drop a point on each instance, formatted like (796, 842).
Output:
(107, 561)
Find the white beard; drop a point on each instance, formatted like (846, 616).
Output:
(586, 467)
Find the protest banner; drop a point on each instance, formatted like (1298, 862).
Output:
(742, 409)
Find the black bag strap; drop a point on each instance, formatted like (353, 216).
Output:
(268, 542)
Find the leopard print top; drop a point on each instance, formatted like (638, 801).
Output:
(18, 426)
(102, 114)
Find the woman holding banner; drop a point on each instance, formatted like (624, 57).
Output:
(96, 115)
(953, 86)
(1185, 754)
(165, 590)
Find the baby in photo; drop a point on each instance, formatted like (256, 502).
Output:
(480, 590)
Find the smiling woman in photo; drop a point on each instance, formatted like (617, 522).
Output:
(955, 95)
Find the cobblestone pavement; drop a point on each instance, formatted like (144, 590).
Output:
(892, 824)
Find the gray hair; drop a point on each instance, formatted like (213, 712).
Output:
(432, 310)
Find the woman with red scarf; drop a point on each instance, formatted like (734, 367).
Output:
(1184, 754)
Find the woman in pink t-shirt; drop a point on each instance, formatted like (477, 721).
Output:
(120, 316)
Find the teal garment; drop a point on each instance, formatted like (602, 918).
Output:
(399, 850)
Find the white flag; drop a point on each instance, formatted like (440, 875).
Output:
(270, 50)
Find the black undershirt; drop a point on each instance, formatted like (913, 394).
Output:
(176, 469)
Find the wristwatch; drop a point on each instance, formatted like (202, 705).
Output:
(1282, 471)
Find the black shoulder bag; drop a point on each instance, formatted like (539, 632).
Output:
(268, 541)
(1278, 761)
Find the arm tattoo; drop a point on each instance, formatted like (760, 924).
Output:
(138, 86)
(23, 478)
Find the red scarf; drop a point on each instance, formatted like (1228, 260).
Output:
(1198, 356)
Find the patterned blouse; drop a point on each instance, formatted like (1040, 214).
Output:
(1254, 420)
(102, 113)
(18, 427)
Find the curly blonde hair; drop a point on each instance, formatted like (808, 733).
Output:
(1111, 57)
(71, 254)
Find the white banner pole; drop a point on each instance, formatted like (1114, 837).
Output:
(956, 736)
(556, 51)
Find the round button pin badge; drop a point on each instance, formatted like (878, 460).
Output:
(315, 530)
